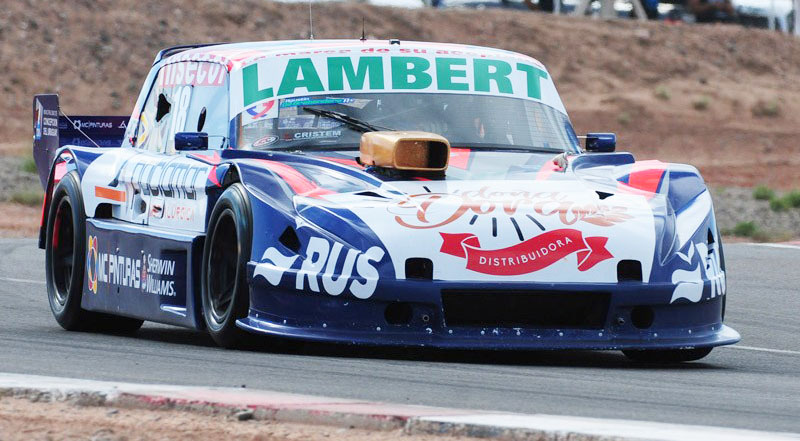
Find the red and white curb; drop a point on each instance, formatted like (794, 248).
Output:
(308, 409)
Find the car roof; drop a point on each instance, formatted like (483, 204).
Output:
(235, 56)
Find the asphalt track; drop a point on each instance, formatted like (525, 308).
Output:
(754, 385)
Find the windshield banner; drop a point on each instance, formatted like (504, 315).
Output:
(383, 70)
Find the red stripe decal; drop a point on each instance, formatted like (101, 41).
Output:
(646, 175)
(459, 158)
(343, 161)
(296, 180)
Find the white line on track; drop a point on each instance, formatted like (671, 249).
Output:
(770, 350)
(790, 246)
(11, 279)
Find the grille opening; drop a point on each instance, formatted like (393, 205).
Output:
(419, 268)
(290, 240)
(398, 313)
(535, 309)
(629, 271)
(642, 317)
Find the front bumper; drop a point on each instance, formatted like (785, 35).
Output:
(320, 317)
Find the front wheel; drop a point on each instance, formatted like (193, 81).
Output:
(225, 292)
(667, 355)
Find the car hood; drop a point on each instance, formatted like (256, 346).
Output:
(515, 216)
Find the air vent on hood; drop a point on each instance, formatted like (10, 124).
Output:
(371, 194)
(602, 195)
(290, 240)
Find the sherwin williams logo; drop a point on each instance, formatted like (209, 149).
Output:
(149, 274)
(92, 263)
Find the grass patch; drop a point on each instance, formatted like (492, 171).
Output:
(662, 92)
(31, 198)
(701, 103)
(779, 204)
(28, 165)
(793, 198)
(766, 109)
(763, 193)
(745, 229)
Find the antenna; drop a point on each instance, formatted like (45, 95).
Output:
(310, 22)
(363, 30)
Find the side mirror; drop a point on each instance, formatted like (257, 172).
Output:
(601, 142)
(191, 141)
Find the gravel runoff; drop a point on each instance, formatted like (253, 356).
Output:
(14, 179)
(736, 204)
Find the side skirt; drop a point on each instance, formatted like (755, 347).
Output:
(142, 272)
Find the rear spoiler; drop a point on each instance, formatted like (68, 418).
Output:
(52, 130)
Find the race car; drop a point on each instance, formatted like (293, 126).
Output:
(372, 192)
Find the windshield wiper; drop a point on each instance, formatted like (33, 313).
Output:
(513, 148)
(361, 126)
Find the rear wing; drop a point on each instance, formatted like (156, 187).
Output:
(52, 130)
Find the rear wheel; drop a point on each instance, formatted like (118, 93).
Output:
(225, 292)
(667, 355)
(65, 254)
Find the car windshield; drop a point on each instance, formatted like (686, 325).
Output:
(337, 121)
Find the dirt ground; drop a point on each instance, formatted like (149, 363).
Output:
(721, 97)
(23, 420)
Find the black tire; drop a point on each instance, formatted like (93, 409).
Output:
(667, 355)
(65, 253)
(225, 292)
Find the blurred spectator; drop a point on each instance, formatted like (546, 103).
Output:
(543, 5)
(709, 11)
(651, 8)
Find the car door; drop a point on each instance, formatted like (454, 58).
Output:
(199, 98)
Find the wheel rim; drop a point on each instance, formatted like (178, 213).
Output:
(222, 268)
(63, 247)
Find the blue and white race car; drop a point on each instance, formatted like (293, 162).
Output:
(373, 192)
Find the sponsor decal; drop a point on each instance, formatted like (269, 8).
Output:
(528, 256)
(387, 71)
(258, 112)
(308, 101)
(689, 283)
(92, 264)
(38, 115)
(321, 134)
(180, 213)
(150, 275)
(173, 179)
(111, 194)
(78, 124)
(192, 74)
(46, 122)
(434, 210)
(307, 122)
(265, 141)
(353, 270)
